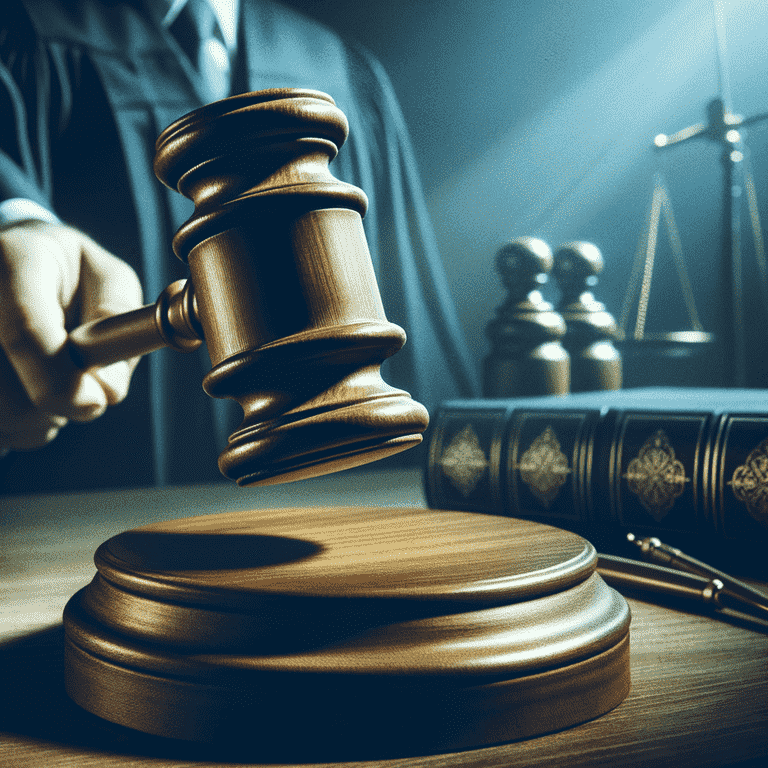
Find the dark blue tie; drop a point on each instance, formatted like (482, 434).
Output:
(197, 31)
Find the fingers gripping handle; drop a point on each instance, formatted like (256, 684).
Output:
(171, 321)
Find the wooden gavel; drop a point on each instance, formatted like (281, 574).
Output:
(281, 289)
(374, 629)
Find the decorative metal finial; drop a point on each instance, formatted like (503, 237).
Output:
(591, 330)
(526, 357)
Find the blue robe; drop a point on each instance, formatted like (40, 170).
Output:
(85, 88)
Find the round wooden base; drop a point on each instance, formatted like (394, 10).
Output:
(388, 629)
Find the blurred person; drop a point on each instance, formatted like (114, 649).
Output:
(85, 89)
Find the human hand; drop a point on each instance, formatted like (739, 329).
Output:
(53, 278)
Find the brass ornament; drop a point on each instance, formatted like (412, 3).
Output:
(749, 483)
(463, 462)
(655, 476)
(544, 467)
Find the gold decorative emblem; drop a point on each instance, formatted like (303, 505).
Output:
(463, 461)
(750, 483)
(655, 476)
(544, 467)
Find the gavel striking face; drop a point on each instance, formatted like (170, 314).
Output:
(281, 289)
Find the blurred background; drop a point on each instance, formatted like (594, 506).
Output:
(538, 118)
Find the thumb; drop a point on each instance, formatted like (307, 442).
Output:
(108, 286)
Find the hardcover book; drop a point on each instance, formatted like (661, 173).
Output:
(655, 460)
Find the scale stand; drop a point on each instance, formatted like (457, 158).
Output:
(723, 127)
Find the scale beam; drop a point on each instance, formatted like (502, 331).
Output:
(722, 127)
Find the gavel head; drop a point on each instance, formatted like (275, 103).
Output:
(285, 289)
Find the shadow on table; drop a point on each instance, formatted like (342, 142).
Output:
(35, 706)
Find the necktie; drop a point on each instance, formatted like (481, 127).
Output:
(197, 31)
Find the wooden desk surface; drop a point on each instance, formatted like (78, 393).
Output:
(699, 695)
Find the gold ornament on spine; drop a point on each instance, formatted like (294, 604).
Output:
(463, 461)
(544, 467)
(749, 483)
(655, 476)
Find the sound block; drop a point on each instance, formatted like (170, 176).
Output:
(385, 628)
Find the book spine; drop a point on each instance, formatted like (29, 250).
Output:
(736, 502)
(465, 456)
(644, 471)
(522, 463)
(658, 473)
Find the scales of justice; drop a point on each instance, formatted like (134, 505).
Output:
(727, 350)
(372, 628)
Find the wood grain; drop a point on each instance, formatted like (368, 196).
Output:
(282, 289)
(698, 693)
(349, 552)
(394, 630)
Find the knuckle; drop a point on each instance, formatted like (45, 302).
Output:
(28, 326)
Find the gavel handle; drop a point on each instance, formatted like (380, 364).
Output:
(172, 321)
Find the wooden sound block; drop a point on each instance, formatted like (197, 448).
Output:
(382, 627)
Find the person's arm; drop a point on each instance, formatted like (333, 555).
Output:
(52, 277)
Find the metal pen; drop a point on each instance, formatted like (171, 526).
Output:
(687, 577)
